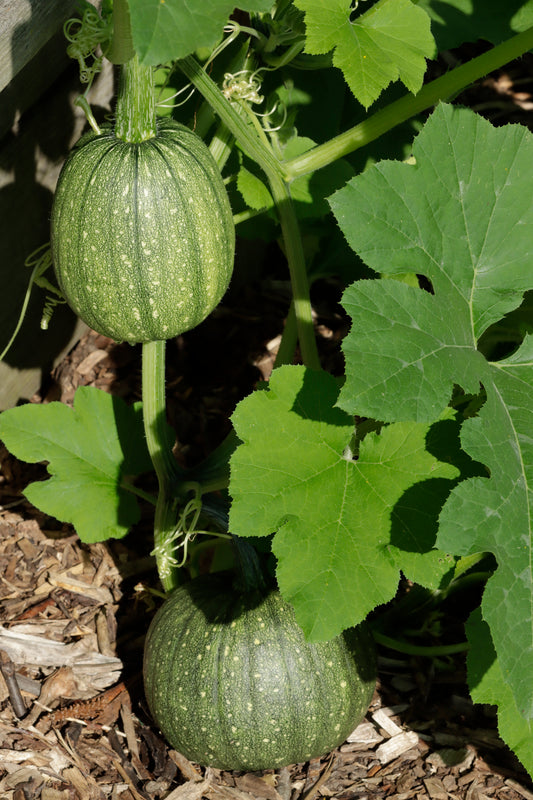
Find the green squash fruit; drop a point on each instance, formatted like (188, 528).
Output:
(232, 682)
(142, 233)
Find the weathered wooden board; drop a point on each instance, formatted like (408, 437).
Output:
(25, 28)
(38, 125)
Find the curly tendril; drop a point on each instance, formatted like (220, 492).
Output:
(40, 261)
(85, 36)
(243, 85)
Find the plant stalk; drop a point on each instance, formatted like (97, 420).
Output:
(121, 49)
(408, 106)
(294, 253)
(155, 428)
(430, 651)
(244, 132)
(254, 144)
(135, 110)
(289, 340)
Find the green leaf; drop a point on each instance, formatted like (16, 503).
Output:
(308, 192)
(487, 685)
(495, 515)
(164, 30)
(253, 190)
(389, 42)
(461, 217)
(293, 474)
(458, 21)
(91, 449)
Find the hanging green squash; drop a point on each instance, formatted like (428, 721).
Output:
(142, 233)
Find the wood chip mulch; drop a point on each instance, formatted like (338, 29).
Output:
(73, 723)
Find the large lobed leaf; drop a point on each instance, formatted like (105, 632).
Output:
(92, 449)
(343, 533)
(388, 42)
(462, 217)
(164, 30)
(487, 685)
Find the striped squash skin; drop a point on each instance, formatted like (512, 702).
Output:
(142, 233)
(232, 683)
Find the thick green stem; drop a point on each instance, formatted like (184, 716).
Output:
(258, 149)
(288, 342)
(135, 123)
(156, 431)
(409, 106)
(121, 49)
(294, 253)
(243, 131)
(135, 111)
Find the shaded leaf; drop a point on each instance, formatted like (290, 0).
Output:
(462, 218)
(293, 474)
(487, 685)
(458, 21)
(164, 30)
(91, 449)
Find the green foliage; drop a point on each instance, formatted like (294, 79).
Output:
(309, 192)
(475, 254)
(408, 347)
(388, 42)
(458, 21)
(488, 685)
(93, 451)
(332, 514)
(168, 29)
(418, 459)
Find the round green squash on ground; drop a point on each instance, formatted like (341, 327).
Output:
(233, 684)
(142, 234)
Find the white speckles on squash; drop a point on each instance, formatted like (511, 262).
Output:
(98, 187)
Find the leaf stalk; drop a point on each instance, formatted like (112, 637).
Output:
(259, 150)
(408, 106)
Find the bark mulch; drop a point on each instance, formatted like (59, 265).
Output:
(73, 722)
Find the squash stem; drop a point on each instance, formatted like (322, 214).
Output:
(159, 447)
(294, 253)
(121, 48)
(256, 146)
(289, 339)
(135, 109)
